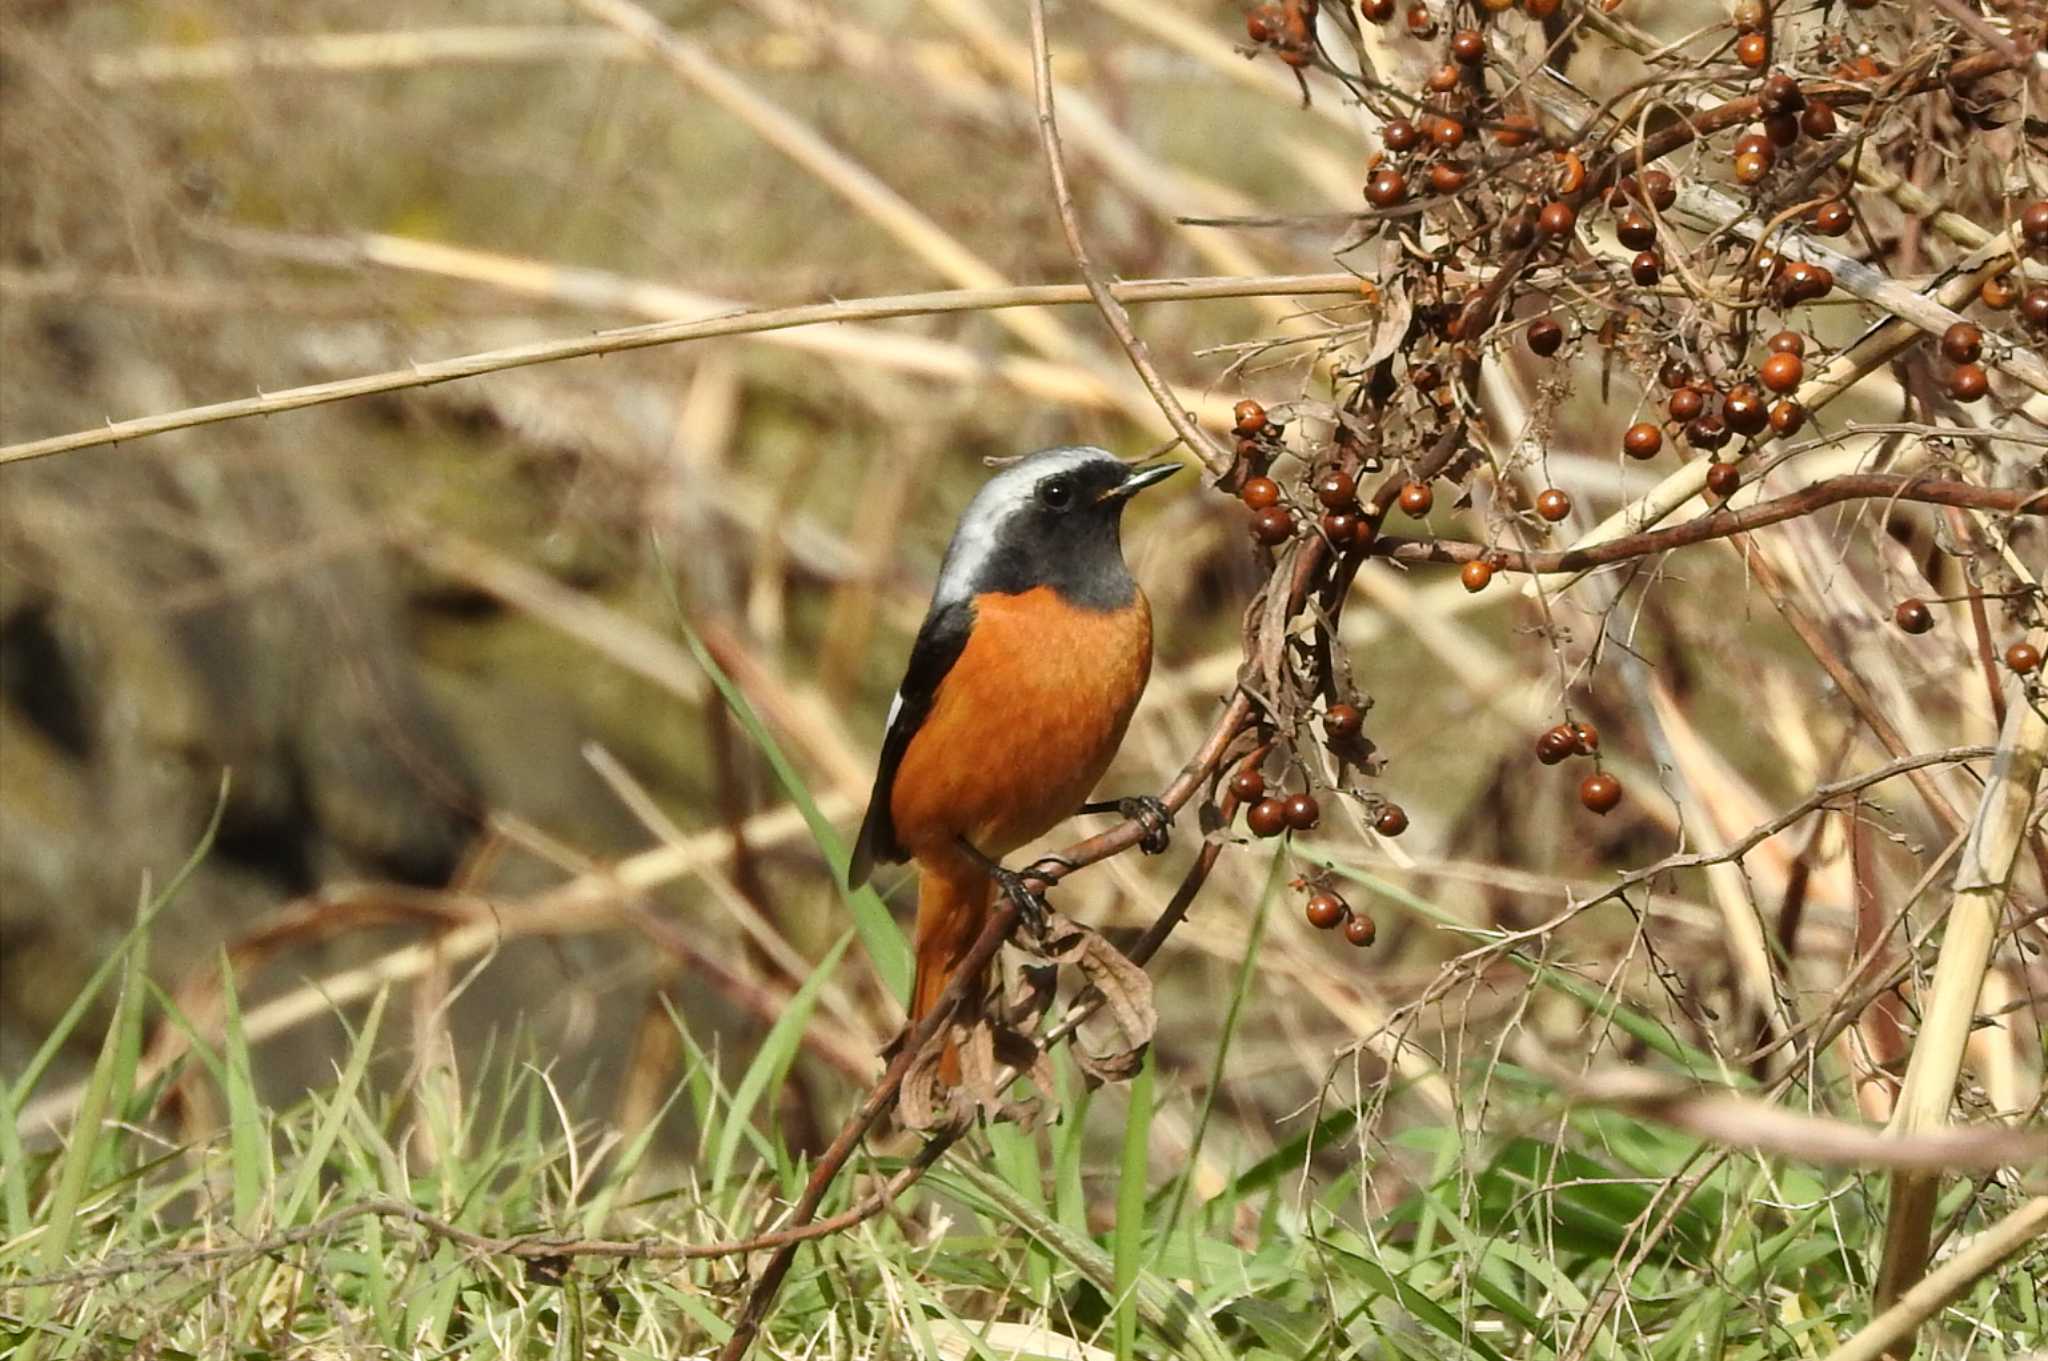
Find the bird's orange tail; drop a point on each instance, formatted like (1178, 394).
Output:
(953, 899)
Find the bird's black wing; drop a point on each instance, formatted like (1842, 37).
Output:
(939, 644)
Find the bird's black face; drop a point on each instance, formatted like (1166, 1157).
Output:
(1056, 526)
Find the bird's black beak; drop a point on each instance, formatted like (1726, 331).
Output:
(1140, 477)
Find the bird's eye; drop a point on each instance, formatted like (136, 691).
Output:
(1056, 492)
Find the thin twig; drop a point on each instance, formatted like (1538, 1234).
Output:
(671, 332)
(1217, 459)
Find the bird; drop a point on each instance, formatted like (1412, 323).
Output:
(1018, 690)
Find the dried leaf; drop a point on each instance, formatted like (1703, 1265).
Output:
(1125, 989)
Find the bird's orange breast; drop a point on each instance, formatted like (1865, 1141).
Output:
(1023, 725)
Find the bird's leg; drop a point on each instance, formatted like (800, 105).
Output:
(1145, 810)
(1031, 907)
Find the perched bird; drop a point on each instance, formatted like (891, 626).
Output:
(1019, 688)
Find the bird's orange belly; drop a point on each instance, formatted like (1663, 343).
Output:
(1024, 724)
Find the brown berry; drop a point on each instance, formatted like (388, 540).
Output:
(1260, 492)
(1744, 410)
(1267, 817)
(1552, 504)
(1557, 219)
(1468, 46)
(1273, 525)
(1445, 178)
(1643, 440)
(1250, 417)
(1660, 189)
(1723, 479)
(1343, 721)
(1393, 819)
(1400, 135)
(2023, 657)
(1447, 133)
(1833, 218)
(1787, 416)
(1340, 527)
(2034, 307)
(1600, 792)
(1751, 167)
(1475, 574)
(1378, 11)
(1635, 230)
(1685, 404)
(1782, 372)
(1556, 744)
(1248, 786)
(1265, 23)
(1997, 292)
(1781, 94)
(1303, 812)
(1336, 488)
(1962, 343)
(1416, 500)
(1387, 187)
(1913, 616)
(1749, 16)
(1545, 337)
(1757, 142)
(1707, 431)
(1969, 383)
(1585, 738)
(1818, 121)
(1421, 22)
(2034, 222)
(1787, 342)
(1753, 50)
(1424, 377)
(1540, 9)
(1359, 930)
(1646, 268)
(1326, 911)
(1782, 129)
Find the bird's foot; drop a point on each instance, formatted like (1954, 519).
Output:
(1145, 810)
(1149, 813)
(1032, 910)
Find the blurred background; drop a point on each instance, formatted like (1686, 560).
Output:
(435, 637)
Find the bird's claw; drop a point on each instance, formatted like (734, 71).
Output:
(1149, 813)
(1031, 905)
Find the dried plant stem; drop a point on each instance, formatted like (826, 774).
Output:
(1213, 456)
(1891, 1333)
(737, 323)
(1983, 879)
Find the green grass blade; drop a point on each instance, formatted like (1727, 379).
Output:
(314, 1157)
(248, 1145)
(883, 940)
(32, 1074)
(1163, 1307)
(778, 1050)
(1127, 1244)
(1276, 875)
(88, 1137)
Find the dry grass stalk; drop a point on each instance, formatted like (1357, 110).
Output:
(1948, 1011)
(732, 323)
